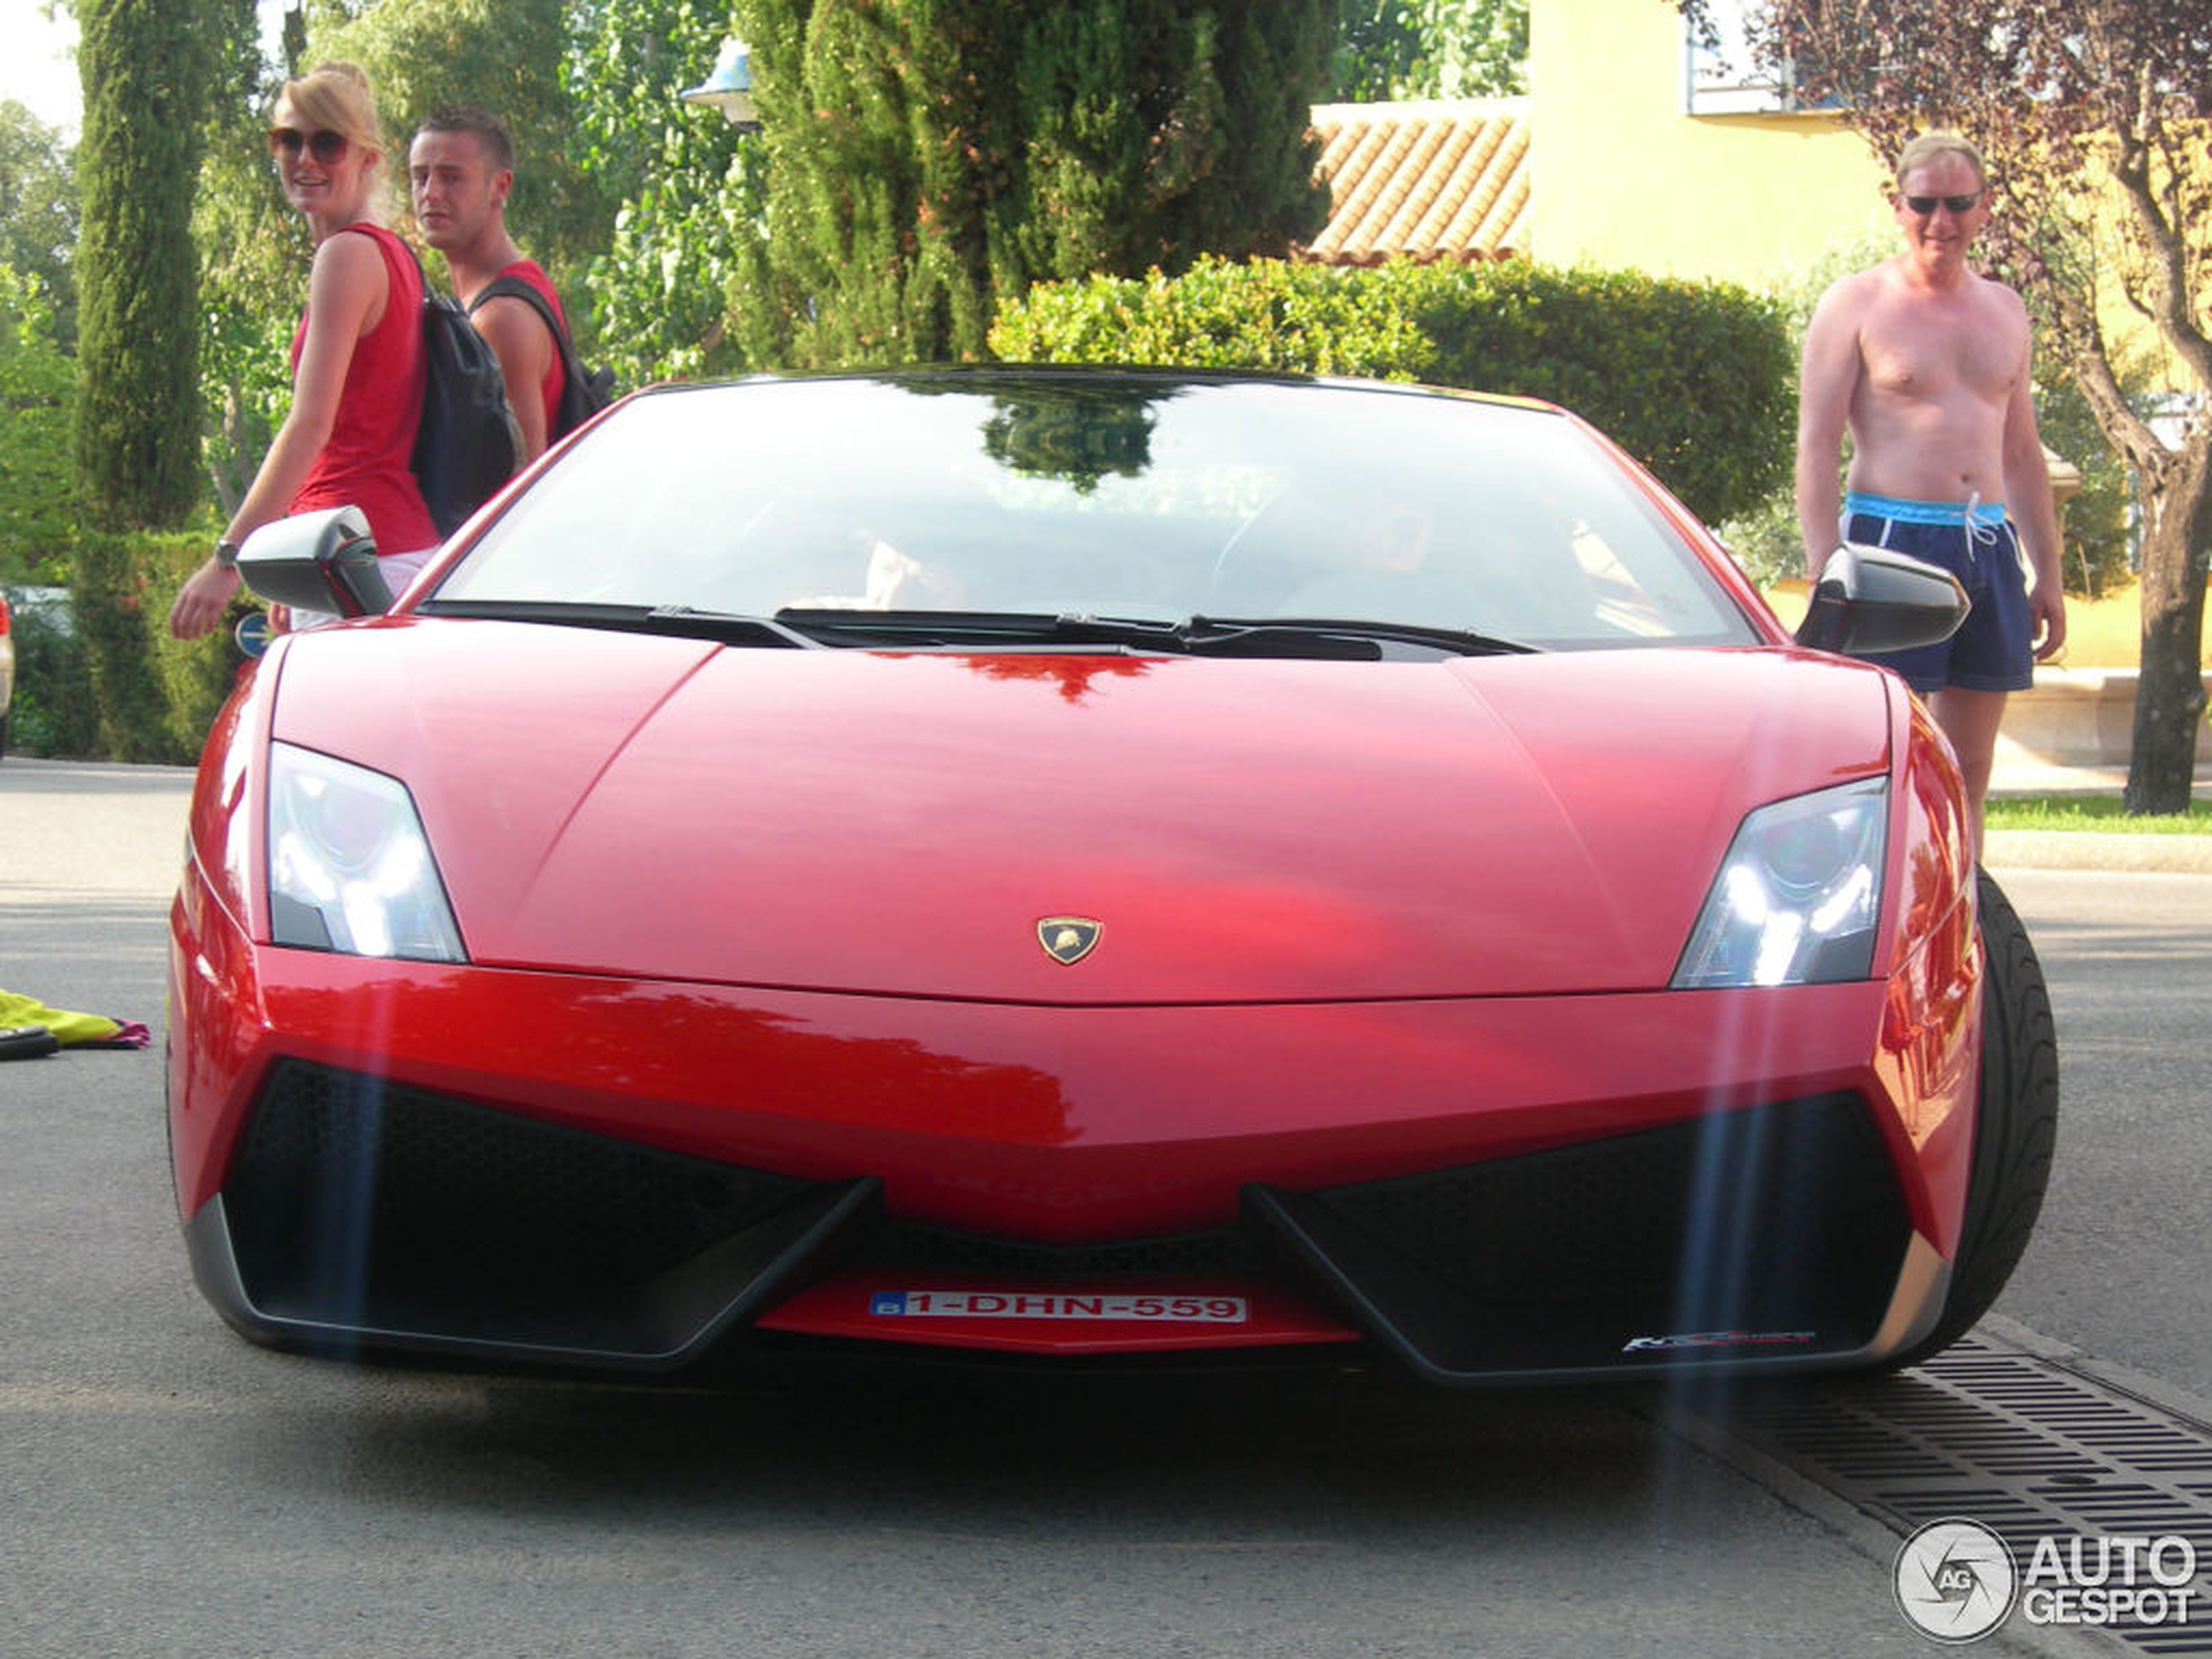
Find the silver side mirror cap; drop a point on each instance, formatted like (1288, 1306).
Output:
(1872, 599)
(320, 561)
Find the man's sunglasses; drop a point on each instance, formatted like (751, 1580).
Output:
(324, 144)
(1921, 205)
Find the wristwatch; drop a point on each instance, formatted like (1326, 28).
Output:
(226, 553)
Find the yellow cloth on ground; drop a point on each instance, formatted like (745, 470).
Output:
(66, 1027)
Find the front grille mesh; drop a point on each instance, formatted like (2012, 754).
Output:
(344, 1184)
(355, 1204)
(1772, 1213)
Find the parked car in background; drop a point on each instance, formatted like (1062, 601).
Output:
(1092, 865)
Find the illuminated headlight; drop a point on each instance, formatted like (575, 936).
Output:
(1798, 896)
(349, 867)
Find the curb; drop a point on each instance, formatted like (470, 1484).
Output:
(2096, 849)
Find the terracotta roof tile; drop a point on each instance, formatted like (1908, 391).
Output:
(1443, 180)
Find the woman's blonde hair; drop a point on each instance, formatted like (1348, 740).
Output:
(336, 96)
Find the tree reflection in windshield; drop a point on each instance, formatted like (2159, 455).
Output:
(1075, 434)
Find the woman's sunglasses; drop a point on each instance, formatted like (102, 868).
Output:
(1921, 205)
(324, 144)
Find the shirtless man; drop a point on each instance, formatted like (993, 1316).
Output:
(1926, 364)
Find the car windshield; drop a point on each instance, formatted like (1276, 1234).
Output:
(1149, 499)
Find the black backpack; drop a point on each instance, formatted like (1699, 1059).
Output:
(584, 392)
(467, 442)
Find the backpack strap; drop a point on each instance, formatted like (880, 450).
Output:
(421, 275)
(512, 287)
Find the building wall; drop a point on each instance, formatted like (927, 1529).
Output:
(1623, 177)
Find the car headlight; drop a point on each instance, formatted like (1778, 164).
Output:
(1799, 895)
(349, 867)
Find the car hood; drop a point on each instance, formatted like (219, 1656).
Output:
(1247, 831)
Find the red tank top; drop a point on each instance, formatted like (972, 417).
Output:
(557, 374)
(366, 462)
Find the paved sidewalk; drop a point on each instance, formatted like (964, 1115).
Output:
(2018, 772)
(2096, 849)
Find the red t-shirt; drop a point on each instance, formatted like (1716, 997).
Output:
(366, 463)
(556, 375)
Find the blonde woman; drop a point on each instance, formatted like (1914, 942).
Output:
(356, 356)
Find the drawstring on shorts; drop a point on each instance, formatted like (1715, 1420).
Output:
(1983, 522)
(1980, 531)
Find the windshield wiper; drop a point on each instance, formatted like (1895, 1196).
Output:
(1308, 637)
(731, 627)
(910, 629)
(1262, 636)
(813, 628)
(683, 621)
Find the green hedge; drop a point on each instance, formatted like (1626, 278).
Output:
(1697, 379)
(53, 711)
(154, 696)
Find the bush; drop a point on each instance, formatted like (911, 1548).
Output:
(155, 695)
(1765, 540)
(37, 400)
(2095, 521)
(1693, 379)
(54, 712)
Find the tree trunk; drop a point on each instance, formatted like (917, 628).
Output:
(2169, 692)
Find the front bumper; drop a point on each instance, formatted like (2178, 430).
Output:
(360, 1214)
(504, 1165)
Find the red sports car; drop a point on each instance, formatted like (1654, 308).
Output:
(1097, 865)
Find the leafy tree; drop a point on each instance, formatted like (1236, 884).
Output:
(684, 256)
(926, 156)
(505, 56)
(253, 275)
(39, 212)
(1412, 49)
(2099, 554)
(2092, 114)
(37, 400)
(146, 68)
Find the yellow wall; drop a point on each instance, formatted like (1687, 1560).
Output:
(1623, 178)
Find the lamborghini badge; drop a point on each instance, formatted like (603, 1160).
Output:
(1068, 940)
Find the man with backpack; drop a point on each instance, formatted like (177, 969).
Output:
(460, 169)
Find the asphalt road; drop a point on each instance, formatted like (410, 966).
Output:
(166, 1488)
(2120, 1266)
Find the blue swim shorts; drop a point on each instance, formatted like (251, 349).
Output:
(1993, 649)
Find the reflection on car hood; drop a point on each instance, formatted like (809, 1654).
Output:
(1245, 830)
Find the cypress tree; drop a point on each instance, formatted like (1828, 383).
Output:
(928, 156)
(146, 66)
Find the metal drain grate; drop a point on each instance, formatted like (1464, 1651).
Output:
(2008, 1439)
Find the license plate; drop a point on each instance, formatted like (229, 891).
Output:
(1056, 1304)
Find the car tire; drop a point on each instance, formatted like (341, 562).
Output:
(2015, 1124)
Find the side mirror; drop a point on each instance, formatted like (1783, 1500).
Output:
(1870, 598)
(322, 561)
